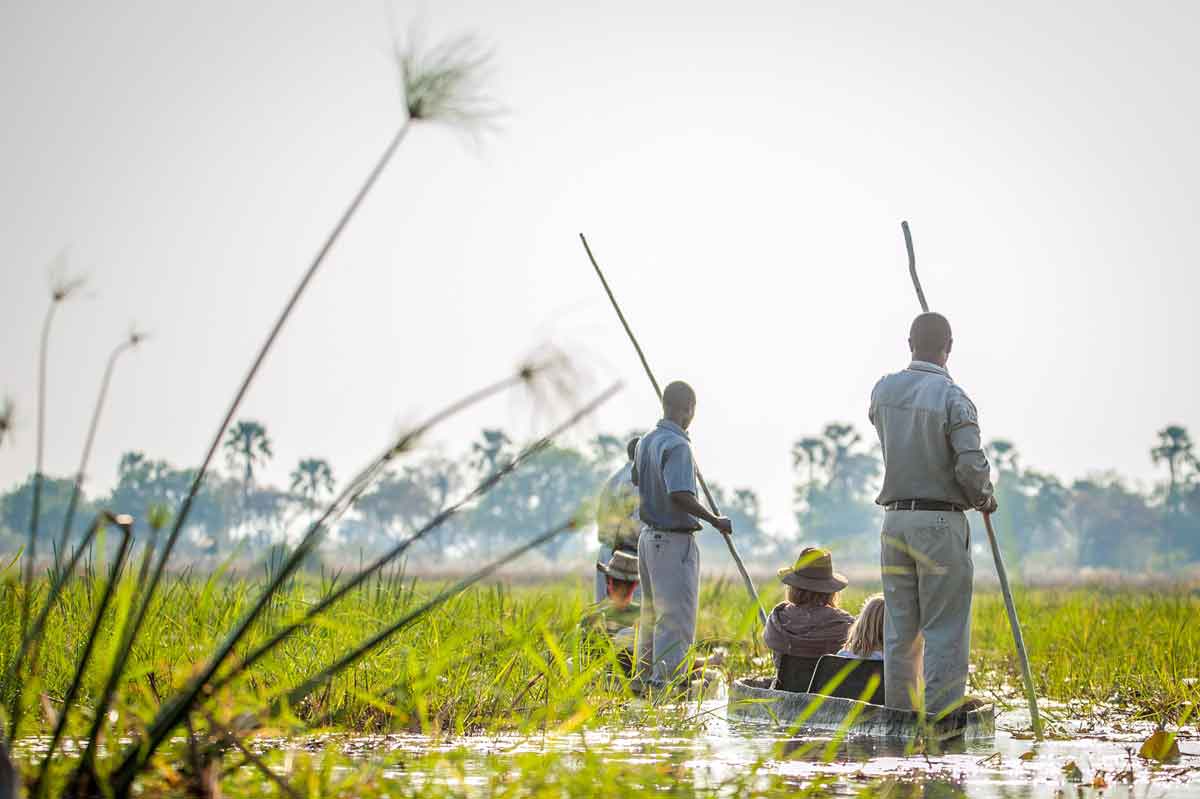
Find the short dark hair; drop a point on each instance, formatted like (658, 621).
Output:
(631, 447)
(678, 395)
(930, 332)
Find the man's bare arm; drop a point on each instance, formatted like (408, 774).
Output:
(687, 502)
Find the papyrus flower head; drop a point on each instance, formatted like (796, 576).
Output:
(445, 83)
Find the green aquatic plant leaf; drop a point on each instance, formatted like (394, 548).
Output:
(1161, 747)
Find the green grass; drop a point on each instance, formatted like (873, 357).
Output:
(496, 659)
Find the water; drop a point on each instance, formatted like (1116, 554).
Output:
(714, 750)
(1108, 764)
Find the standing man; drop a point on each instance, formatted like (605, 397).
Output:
(617, 522)
(668, 558)
(934, 469)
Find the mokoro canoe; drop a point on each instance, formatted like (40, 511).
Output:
(751, 698)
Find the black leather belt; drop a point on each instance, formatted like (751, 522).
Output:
(688, 530)
(922, 504)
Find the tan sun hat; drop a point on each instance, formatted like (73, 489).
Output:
(813, 571)
(621, 566)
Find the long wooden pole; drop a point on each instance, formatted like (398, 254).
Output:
(1015, 623)
(1001, 572)
(712, 504)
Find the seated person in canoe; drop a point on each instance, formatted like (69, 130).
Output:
(617, 522)
(617, 614)
(866, 634)
(809, 623)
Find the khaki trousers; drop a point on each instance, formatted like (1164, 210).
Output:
(669, 564)
(927, 583)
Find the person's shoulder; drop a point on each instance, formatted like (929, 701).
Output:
(674, 442)
(958, 401)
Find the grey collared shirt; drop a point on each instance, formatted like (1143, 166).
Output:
(929, 431)
(663, 464)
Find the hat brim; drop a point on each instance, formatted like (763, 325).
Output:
(616, 574)
(835, 583)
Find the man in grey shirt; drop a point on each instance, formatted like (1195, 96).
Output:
(668, 558)
(934, 469)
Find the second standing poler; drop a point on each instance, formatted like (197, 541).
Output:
(934, 469)
(617, 522)
(668, 556)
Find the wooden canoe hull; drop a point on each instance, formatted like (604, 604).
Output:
(750, 698)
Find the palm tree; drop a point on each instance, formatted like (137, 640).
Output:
(814, 450)
(1175, 448)
(246, 447)
(1004, 455)
(487, 454)
(312, 478)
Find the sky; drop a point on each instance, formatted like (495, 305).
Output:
(740, 170)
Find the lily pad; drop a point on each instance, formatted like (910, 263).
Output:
(1161, 746)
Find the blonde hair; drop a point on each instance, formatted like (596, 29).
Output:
(866, 634)
(802, 596)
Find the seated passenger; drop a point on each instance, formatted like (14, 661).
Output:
(810, 623)
(617, 614)
(866, 635)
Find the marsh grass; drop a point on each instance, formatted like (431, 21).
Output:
(494, 659)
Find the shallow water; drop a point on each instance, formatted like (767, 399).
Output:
(1108, 764)
(721, 749)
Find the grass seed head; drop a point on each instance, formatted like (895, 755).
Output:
(551, 379)
(445, 83)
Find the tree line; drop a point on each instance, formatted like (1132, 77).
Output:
(1100, 521)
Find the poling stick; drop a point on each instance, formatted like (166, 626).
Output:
(712, 504)
(1001, 572)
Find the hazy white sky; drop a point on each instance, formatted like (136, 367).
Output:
(739, 168)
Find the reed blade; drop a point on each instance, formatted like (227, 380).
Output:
(299, 692)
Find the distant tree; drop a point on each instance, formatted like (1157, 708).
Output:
(1114, 525)
(1175, 449)
(607, 449)
(264, 509)
(549, 489)
(744, 509)
(1033, 504)
(401, 502)
(16, 506)
(312, 479)
(1003, 455)
(814, 451)
(490, 451)
(246, 448)
(837, 500)
(143, 484)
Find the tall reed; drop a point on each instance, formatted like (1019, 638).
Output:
(441, 85)
(177, 708)
(128, 343)
(62, 289)
(125, 524)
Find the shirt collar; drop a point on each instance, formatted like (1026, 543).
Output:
(926, 366)
(667, 424)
